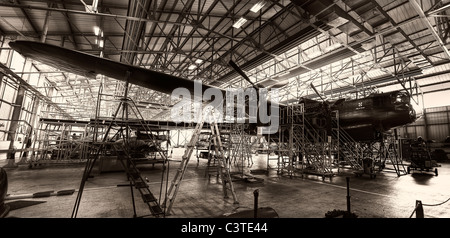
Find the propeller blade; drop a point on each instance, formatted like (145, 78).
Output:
(317, 92)
(239, 70)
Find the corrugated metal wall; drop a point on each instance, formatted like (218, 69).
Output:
(433, 125)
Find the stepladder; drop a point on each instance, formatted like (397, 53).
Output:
(223, 163)
(223, 168)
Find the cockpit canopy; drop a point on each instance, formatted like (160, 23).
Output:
(400, 98)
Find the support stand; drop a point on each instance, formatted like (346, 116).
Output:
(133, 174)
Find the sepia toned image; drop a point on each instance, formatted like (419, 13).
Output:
(207, 112)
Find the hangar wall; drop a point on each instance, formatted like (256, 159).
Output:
(433, 125)
(19, 107)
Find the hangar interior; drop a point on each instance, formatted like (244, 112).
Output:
(362, 120)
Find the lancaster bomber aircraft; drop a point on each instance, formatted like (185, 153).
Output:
(363, 119)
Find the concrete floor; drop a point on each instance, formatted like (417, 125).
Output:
(386, 196)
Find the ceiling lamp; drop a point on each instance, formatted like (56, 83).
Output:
(239, 23)
(192, 67)
(198, 61)
(258, 6)
(96, 30)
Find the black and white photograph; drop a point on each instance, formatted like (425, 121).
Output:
(222, 117)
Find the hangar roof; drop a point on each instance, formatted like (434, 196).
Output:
(343, 48)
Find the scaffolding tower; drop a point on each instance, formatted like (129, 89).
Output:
(348, 152)
(239, 145)
(59, 141)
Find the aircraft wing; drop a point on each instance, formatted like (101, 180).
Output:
(80, 63)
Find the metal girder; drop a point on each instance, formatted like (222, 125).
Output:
(440, 9)
(204, 37)
(430, 26)
(171, 34)
(134, 29)
(123, 17)
(341, 12)
(223, 68)
(45, 27)
(381, 10)
(70, 27)
(7, 72)
(375, 65)
(10, 25)
(28, 18)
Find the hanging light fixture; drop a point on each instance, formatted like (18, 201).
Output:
(239, 23)
(258, 6)
(96, 30)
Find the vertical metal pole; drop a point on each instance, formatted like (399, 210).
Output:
(14, 124)
(348, 194)
(425, 122)
(127, 135)
(255, 194)
(45, 27)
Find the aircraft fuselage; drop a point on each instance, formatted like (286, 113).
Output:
(367, 118)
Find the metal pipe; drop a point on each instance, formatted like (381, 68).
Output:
(348, 194)
(256, 194)
(45, 27)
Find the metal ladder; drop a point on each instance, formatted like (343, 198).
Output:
(223, 167)
(316, 151)
(136, 180)
(347, 146)
(176, 182)
(391, 154)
